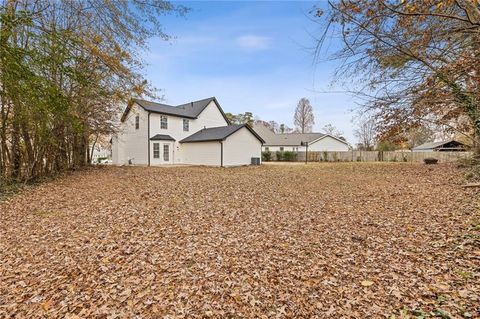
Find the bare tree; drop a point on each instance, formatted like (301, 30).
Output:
(284, 129)
(333, 131)
(304, 118)
(366, 133)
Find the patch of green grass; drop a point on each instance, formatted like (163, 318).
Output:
(406, 313)
(464, 274)
(9, 189)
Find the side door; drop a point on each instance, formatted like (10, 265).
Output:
(167, 153)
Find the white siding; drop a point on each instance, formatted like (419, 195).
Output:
(240, 147)
(117, 151)
(210, 117)
(328, 143)
(130, 143)
(285, 148)
(201, 153)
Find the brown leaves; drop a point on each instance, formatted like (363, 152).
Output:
(367, 283)
(322, 240)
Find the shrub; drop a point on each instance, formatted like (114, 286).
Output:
(279, 156)
(335, 157)
(289, 156)
(430, 160)
(266, 156)
(471, 166)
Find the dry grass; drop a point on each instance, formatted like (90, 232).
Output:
(323, 240)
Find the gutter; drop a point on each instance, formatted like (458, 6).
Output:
(221, 153)
(148, 137)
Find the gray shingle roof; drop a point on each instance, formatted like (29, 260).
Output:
(433, 145)
(162, 137)
(217, 133)
(188, 110)
(288, 139)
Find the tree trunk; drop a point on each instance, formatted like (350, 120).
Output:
(16, 154)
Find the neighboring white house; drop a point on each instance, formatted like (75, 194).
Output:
(317, 142)
(194, 133)
(100, 152)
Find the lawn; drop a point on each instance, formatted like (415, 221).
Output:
(335, 240)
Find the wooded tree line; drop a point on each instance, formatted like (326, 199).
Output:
(65, 67)
(412, 62)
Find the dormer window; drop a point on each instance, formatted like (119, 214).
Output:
(186, 125)
(137, 122)
(163, 122)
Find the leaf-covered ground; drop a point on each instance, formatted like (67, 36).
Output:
(324, 240)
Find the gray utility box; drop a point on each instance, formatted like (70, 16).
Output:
(255, 161)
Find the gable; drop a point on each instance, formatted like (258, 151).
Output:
(330, 137)
(328, 143)
(212, 115)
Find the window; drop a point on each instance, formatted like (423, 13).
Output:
(163, 122)
(166, 152)
(267, 149)
(156, 150)
(295, 149)
(137, 122)
(281, 149)
(186, 125)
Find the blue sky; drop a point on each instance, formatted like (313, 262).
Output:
(252, 56)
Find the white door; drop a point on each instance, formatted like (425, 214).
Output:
(167, 153)
(161, 153)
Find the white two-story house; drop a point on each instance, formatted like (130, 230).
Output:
(196, 133)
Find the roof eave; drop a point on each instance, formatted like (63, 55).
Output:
(200, 141)
(170, 114)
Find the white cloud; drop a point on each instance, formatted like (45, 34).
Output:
(253, 42)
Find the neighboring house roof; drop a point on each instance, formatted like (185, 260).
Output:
(449, 144)
(162, 137)
(289, 139)
(188, 110)
(218, 134)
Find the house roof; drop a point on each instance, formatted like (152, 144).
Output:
(286, 139)
(435, 145)
(188, 110)
(218, 133)
(162, 137)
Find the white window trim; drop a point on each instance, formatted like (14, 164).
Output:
(161, 122)
(158, 150)
(137, 122)
(167, 157)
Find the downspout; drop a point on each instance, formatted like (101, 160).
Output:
(221, 153)
(148, 137)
